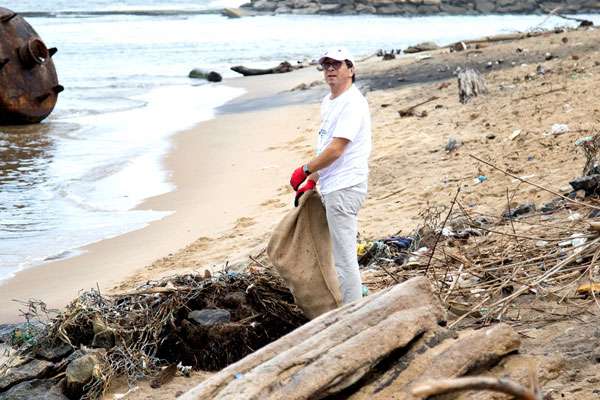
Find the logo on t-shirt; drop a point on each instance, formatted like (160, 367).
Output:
(321, 140)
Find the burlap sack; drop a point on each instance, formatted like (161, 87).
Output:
(300, 249)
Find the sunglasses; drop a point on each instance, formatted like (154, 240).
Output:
(334, 64)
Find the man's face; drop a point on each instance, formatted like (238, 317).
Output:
(336, 72)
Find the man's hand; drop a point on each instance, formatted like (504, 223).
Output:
(298, 176)
(310, 185)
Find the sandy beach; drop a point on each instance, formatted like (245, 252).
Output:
(231, 172)
(228, 171)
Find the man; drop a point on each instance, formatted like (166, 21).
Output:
(341, 166)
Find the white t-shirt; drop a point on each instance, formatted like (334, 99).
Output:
(347, 116)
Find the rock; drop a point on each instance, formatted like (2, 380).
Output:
(365, 9)
(485, 6)
(34, 369)
(35, 390)
(330, 8)
(233, 13)
(590, 184)
(425, 46)
(210, 316)
(54, 353)
(104, 339)
(210, 76)
(519, 210)
(264, 5)
(79, 372)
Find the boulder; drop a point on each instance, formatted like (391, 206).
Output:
(35, 390)
(210, 316)
(264, 5)
(54, 353)
(233, 13)
(425, 46)
(365, 9)
(79, 373)
(34, 369)
(485, 6)
(211, 76)
(330, 8)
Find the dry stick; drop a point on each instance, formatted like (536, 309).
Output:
(391, 194)
(258, 262)
(522, 236)
(465, 315)
(535, 184)
(389, 273)
(543, 93)
(502, 385)
(407, 111)
(441, 229)
(546, 275)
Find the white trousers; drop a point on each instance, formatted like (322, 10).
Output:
(342, 208)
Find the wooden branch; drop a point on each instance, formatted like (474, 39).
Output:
(543, 93)
(410, 111)
(436, 387)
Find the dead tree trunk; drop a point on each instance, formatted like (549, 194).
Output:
(331, 352)
(451, 358)
(470, 84)
(281, 68)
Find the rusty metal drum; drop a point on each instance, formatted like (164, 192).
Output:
(29, 85)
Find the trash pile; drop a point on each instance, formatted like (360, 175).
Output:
(489, 268)
(200, 322)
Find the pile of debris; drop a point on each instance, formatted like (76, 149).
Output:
(489, 268)
(193, 321)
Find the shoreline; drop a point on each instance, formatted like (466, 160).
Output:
(200, 235)
(200, 183)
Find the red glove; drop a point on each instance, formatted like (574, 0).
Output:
(298, 176)
(310, 185)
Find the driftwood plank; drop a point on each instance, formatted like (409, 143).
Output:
(331, 352)
(471, 351)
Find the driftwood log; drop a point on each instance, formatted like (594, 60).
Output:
(332, 351)
(281, 68)
(470, 84)
(519, 392)
(379, 348)
(469, 352)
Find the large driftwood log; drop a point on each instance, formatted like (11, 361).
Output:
(471, 351)
(281, 68)
(470, 84)
(331, 352)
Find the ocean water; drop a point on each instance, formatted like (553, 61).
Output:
(79, 176)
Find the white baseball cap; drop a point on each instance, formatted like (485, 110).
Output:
(337, 53)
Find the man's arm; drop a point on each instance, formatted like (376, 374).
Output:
(327, 157)
(332, 152)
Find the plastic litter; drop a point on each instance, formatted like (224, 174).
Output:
(559, 129)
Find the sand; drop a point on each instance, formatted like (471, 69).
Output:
(228, 171)
(231, 172)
